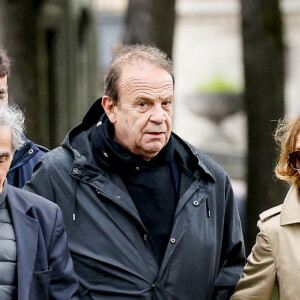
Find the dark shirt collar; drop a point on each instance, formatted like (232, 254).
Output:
(4, 193)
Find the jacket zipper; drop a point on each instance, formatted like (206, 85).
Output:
(99, 192)
(207, 208)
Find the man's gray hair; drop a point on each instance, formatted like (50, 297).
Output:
(12, 117)
(130, 54)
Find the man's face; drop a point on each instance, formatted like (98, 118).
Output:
(6, 153)
(142, 117)
(3, 90)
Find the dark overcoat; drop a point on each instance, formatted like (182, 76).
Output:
(113, 254)
(44, 265)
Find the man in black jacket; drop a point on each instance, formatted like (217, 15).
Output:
(35, 263)
(25, 158)
(148, 215)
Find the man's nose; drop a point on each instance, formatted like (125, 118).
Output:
(158, 115)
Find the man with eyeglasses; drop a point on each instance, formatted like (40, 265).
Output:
(25, 158)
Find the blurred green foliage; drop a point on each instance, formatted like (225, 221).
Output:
(219, 85)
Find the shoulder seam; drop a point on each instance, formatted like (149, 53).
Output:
(264, 216)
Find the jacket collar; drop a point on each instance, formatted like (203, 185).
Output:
(290, 213)
(198, 157)
(3, 194)
(24, 154)
(26, 230)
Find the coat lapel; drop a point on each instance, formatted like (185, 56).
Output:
(26, 230)
(291, 207)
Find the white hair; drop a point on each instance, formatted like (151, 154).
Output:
(12, 117)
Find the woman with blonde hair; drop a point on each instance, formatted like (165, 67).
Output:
(275, 258)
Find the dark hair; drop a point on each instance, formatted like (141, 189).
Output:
(286, 136)
(131, 54)
(4, 64)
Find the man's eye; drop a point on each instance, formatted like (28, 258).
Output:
(3, 95)
(142, 104)
(4, 158)
(167, 103)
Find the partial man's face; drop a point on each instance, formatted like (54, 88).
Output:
(142, 117)
(3, 90)
(6, 153)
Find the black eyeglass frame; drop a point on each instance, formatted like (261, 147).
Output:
(292, 160)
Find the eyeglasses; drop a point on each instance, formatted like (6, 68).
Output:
(294, 159)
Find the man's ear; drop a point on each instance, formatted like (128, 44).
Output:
(109, 108)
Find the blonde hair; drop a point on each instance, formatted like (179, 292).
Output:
(286, 136)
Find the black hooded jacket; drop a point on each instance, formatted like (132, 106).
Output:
(112, 254)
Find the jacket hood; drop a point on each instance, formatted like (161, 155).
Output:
(91, 118)
(77, 138)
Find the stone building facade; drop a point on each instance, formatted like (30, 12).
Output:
(63, 72)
